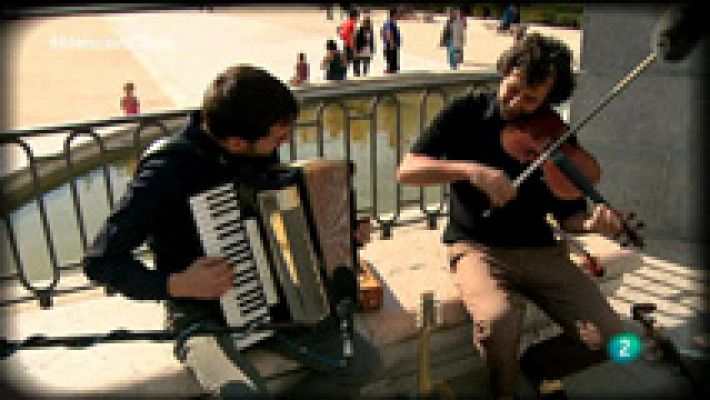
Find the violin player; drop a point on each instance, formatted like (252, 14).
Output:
(477, 143)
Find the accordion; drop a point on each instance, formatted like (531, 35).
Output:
(285, 230)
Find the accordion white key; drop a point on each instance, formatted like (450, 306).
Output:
(284, 233)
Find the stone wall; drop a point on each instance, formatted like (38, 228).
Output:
(650, 138)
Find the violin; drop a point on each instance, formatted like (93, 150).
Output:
(570, 172)
(525, 139)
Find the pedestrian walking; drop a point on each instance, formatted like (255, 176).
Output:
(454, 38)
(364, 47)
(347, 34)
(129, 102)
(333, 62)
(392, 42)
(302, 71)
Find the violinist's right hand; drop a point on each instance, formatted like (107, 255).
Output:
(493, 182)
(206, 278)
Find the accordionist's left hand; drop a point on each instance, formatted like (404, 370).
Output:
(363, 231)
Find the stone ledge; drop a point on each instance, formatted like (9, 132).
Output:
(143, 368)
(407, 275)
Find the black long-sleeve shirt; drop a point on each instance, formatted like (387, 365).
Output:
(155, 209)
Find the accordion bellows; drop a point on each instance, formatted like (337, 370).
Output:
(330, 199)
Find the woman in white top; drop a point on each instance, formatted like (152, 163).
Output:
(456, 38)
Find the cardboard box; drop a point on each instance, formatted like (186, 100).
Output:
(370, 288)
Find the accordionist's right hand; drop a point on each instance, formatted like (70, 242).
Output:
(206, 278)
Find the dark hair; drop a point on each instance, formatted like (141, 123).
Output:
(538, 57)
(245, 101)
(331, 45)
(353, 13)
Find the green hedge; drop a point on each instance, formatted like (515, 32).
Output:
(554, 14)
(551, 17)
(568, 15)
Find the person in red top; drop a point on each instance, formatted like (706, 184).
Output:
(347, 34)
(129, 102)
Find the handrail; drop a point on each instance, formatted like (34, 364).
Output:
(131, 133)
(353, 88)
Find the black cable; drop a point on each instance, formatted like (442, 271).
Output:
(9, 347)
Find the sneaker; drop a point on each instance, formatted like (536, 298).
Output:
(551, 390)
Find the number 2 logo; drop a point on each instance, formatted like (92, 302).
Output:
(624, 347)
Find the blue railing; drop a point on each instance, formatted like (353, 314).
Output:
(405, 100)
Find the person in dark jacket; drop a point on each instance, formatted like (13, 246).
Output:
(246, 115)
(391, 42)
(334, 62)
(364, 47)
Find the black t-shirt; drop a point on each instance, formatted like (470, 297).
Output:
(468, 129)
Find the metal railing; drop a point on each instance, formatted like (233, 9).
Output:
(106, 141)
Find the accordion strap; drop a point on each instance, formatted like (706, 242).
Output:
(171, 145)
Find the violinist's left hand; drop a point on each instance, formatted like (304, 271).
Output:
(603, 221)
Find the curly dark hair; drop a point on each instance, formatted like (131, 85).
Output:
(245, 101)
(538, 57)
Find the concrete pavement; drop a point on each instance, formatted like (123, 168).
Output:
(671, 276)
(72, 68)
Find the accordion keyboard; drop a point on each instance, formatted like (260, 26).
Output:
(225, 233)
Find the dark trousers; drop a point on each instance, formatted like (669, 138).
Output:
(349, 54)
(365, 62)
(494, 283)
(392, 59)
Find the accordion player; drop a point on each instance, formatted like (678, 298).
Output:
(285, 230)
